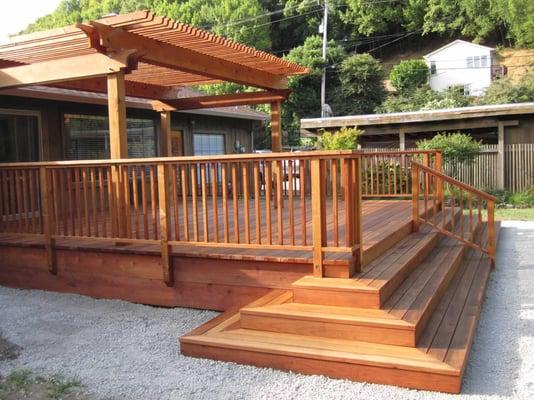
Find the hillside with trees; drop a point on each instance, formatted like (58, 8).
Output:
(361, 32)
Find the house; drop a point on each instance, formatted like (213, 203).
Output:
(461, 63)
(43, 123)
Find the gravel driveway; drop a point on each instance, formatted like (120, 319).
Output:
(120, 350)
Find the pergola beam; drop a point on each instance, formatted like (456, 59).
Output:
(226, 100)
(167, 55)
(62, 70)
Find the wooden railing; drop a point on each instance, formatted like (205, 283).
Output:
(308, 202)
(454, 208)
(388, 173)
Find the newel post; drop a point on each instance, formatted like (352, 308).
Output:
(318, 177)
(415, 197)
(491, 230)
(48, 218)
(164, 223)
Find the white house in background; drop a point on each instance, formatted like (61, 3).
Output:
(461, 63)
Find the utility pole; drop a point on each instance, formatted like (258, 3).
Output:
(324, 26)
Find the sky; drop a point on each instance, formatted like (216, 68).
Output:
(17, 14)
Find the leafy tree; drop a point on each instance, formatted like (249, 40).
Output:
(343, 139)
(305, 99)
(409, 74)
(505, 91)
(362, 89)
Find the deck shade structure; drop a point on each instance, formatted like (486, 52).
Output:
(144, 55)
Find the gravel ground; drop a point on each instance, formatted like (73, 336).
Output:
(119, 350)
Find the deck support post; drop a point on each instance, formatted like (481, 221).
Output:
(164, 223)
(48, 219)
(357, 216)
(402, 139)
(118, 143)
(415, 198)
(318, 177)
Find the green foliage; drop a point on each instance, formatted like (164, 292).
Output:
(505, 198)
(343, 139)
(455, 146)
(387, 177)
(503, 91)
(409, 75)
(424, 98)
(361, 88)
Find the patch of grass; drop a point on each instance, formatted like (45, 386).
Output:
(23, 385)
(515, 214)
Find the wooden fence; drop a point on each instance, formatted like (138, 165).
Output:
(482, 173)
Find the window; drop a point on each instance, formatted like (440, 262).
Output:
(470, 62)
(476, 61)
(433, 68)
(484, 61)
(467, 90)
(19, 136)
(88, 137)
(208, 144)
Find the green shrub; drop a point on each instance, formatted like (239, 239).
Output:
(387, 178)
(343, 139)
(505, 91)
(455, 146)
(409, 74)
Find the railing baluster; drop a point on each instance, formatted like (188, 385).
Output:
(144, 202)
(135, 201)
(194, 200)
(102, 200)
(215, 202)
(257, 199)
(268, 187)
(175, 205)
(302, 188)
(224, 189)
(204, 193)
(246, 197)
(94, 208)
(185, 214)
(235, 201)
(335, 208)
(111, 203)
(318, 214)
(78, 201)
(279, 200)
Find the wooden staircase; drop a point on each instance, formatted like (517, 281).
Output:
(408, 319)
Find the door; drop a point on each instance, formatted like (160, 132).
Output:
(177, 144)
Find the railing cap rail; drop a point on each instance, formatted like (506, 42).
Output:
(454, 181)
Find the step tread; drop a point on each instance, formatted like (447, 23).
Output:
(324, 348)
(347, 315)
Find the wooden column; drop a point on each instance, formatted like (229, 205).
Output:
(402, 139)
(48, 219)
(276, 126)
(118, 143)
(500, 156)
(318, 199)
(415, 198)
(165, 119)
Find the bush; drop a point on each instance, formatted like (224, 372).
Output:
(505, 91)
(343, 139)
(455, 146)
(409, 74)
(362, 89)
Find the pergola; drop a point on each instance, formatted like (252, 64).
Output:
(144, 55)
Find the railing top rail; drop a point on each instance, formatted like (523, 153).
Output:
(454, 181)
(191, 159)
(398, 152)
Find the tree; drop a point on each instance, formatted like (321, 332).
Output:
(362, 89)
(305, 99)
(504, 91)
(409, 74)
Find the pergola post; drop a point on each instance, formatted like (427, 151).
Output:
(165, 123)
(402, 139)
(118, 143)
(276, 126)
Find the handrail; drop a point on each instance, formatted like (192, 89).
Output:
(456, 182)
(460, 206)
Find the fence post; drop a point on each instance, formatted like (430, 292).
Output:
(318, 177)
(164, 223)
(48, 219)
(415, 197)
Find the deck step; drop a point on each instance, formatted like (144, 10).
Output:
(336, 358)
(400, 322)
